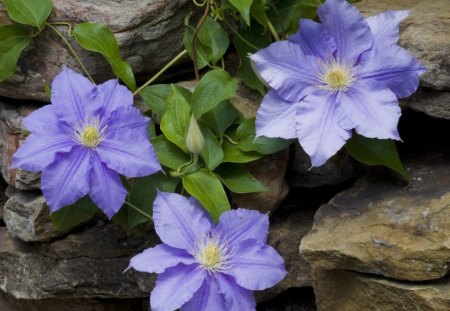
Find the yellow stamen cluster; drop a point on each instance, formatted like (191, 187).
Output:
(212, 254)
(90, 134)
(336, 76)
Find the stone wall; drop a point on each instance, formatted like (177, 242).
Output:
(380, 243)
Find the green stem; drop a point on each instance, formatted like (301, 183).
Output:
(194, 38)
(273, 31)
(71, 50)
(137, 209)
(159, 73)
(68, 25)
(240, 36)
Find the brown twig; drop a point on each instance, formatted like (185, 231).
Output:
(194, 38)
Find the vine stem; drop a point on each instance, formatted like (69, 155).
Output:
(71, 50)
(194, 38)
(137, 209)
(273, 31)
(159, 73)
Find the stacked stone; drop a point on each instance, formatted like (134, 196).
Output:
(384, 244)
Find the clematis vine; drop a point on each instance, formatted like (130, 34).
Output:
(345, 73)
(202, 266)
(82, 142)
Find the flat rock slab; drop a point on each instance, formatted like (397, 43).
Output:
(351, 291)
(84, 265)
(149, 33)
(425, 33)
(385, 227)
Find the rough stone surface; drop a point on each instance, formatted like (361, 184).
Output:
(386, 227)
(352, 291)
(287, 228)
(11, 136)
(3, 197)
(246, 101)
(431, 102)
(270, 170)
(83, 265)
(9, 303)
(339, 168)
(425, 33)
(149, 33)
(27, 217)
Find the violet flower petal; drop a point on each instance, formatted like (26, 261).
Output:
(128, 118)
(112, 95)
(314, 39)
(370, 109)
(241, 224)
(128, 154)
(256, 266)
(318, 130)
(236, 297)
(275, 117)
(39, 150)
(176, 286)
(288, 70)
(157, 259)
(44, 120)
(67, 179)
(179, 223)
(385, 27)
(394, 67)
(107, 191)
(73, 97)
(347, 26)
(206, 298)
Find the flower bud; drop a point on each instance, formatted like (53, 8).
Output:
(194, 137)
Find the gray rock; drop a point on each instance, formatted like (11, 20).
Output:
(339, 168)
(431, 102)
(351, 291)
(383, 226)
(149, 33)
(27, 217)
(11, 136)
(89, 264)
(9, 303)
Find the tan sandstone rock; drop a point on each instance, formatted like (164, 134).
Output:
(352, 291)
(386, 227)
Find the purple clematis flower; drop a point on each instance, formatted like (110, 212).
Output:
(330, 78)
(84, 140)
(206, 267)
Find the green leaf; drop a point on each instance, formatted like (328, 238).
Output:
(212, 42)
(13, 40)
(258, 12)
(208, 190)
(243, 6)
(232, 153)
(220, 117)
(169, 154)
(175, 122)
(373, 151)
(212, 153)
(143, 193)
(257, 37)
(97, 37)
(155, 97)
(215, 87)
(238, 180)
(75, 214)
(287, 13)
(245, 134)
(29, 12)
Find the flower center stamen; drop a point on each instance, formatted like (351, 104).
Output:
(90, 134)
(336, 76)
(212, 254)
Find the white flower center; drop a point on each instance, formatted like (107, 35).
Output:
(90, 133)
(212, 254)
(336, 76)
